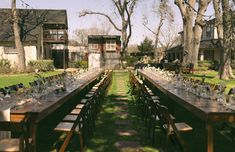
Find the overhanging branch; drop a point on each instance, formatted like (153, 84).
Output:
(84, 13)
(150, 29)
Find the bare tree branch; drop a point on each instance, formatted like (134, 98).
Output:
(84, 13)
(118, 6)
(129, 24)
(145, 25)
(182, 7)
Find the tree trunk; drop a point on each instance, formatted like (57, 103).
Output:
(189, 38)
(226, 70)
(158, 33)
(20, 49)
(187, 16)
(192, 34)
(199, 24)
(219, 26)
(183, 45)
(124, 36)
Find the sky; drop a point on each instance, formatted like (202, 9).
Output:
(73, 7)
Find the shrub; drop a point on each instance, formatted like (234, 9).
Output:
(5, 66)
(201, 68)
(81, 64)
(131, 60)
(41, 65)
(205, 63)
(71, 64)
(215, 65)
(209, 64)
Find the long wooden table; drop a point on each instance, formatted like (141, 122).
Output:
(36, 112)
(211, 112)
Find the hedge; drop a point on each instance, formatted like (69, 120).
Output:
(5, 66)
(81, 64)
(41, 65)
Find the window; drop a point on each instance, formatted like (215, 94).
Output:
(111, 45)
(93, 46)
(10, 50)
(55, 35)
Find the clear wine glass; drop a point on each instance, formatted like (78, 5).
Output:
(1, 96)
(8, 92)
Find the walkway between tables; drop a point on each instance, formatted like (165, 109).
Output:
(118, 128)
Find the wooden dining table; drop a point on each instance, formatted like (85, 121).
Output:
(210, 111)
(38, 111)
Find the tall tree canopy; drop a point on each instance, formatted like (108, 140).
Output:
(146, 45)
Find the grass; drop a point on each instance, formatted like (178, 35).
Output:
(212, 77)
(105, 136)
(11, 79)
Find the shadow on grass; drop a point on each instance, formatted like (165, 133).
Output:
(200, 76)
(105, 135)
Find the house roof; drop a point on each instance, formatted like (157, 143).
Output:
(179, 47)
(92, 38)
(104, 36)
(31, 20)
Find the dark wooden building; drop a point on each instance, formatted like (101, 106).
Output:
(104, 51)
(43, 33)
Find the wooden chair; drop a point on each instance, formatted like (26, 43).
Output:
(20, 144)
(173, 130)
(72, 124)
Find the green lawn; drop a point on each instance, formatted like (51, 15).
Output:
(11, 79)
(212, 77)
(105, 135)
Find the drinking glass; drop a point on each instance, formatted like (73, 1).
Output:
(8, 92)
(1, 96)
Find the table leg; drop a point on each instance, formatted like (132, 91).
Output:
(34, 137)
(210, 140)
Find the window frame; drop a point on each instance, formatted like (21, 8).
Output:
(10, 50)
(94, 46)
(110, 45)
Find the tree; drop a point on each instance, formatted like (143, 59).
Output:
(125, 10)
(170, 37)
(18, 42)
(164, 12)
(24, 23)
(228, 41)
(226, 36)
(192, 32)
(146, 45)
